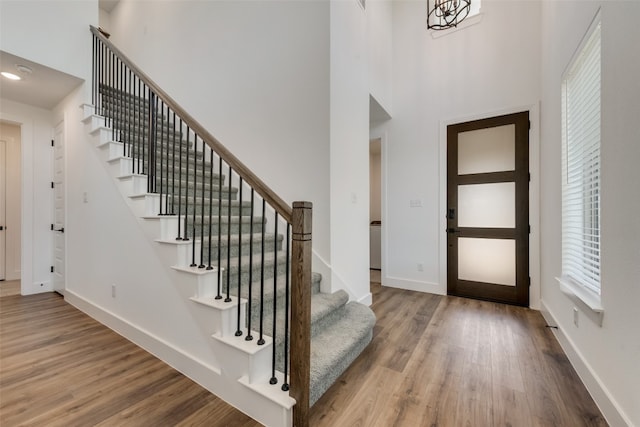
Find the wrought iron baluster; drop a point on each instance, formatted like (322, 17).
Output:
(186, 190)
(195, 197)
(159, 147)
(219, 295)
(93, 74)
(249, 337)
(180, 237)
(273, 379)
(173, 168)
(261, 341)
(209, 266)
(285, 385)
(240, 181)
(228, 298)
(202, 265)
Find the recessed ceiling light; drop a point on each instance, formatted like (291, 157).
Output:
(24, 69)
(10, 76)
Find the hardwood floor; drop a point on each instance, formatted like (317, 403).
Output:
(433, 361)
(59, 367)
(473, 363)
(11, 287)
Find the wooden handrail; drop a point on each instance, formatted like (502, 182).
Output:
(299, 216)
(276, 202)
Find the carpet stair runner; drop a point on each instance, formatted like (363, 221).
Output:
(340, 329)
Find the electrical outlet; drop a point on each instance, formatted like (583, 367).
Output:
(575, 316)
(113, 291)
(420, 266)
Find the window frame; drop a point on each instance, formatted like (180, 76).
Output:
(582, 169)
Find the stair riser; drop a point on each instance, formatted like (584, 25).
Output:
(235, 210)
(167, 171)
(235, 248)
(223, 229)
(135, 149)
(234, 278)
(166, 154)
(173, 184)
(122, 119)
(161, 144)
(115, 105)
(202, 213)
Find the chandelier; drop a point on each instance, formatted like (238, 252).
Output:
(445, 14)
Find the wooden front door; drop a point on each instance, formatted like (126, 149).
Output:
(488, 209)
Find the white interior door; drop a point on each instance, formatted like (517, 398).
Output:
(3, 217)
(59, 265)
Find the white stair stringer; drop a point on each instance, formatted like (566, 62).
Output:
(242, 369)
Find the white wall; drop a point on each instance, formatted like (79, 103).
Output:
(349, 150)
(104, 20)
(52, 33)
(37, 195)
(380, 51)
(13, 200)
(255, 74)
(485, 69)
(107, 245)
(606, 357)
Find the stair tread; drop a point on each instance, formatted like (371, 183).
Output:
(323, 304)
(338, 345)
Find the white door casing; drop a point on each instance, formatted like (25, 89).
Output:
(3, 218)
(59, 242)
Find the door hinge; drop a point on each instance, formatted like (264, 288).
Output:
(52, 268)
(529, 228)
(529, 281)
(52, 184)
(529, 124)
(51, 227)
(529, 176)
(52, 143)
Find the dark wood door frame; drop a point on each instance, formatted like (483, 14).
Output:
(519, 294)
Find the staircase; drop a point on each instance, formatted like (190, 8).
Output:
(224, 239)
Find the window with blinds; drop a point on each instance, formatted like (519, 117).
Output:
(581, 165)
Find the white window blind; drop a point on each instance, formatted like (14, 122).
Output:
(581, 165)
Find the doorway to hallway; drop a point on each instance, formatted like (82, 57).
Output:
(10, 201)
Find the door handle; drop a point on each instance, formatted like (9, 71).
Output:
(61, 230)
(1, 227)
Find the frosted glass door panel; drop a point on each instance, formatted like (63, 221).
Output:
(487, 150)
(487, 205)
(487, 260)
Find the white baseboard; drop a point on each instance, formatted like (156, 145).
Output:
(611, 411)
(319, 265)
(366, 299)
(202, 373)
(412, 285)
